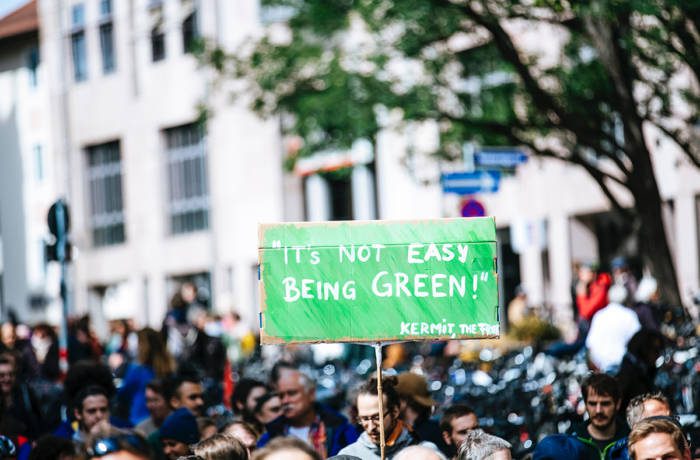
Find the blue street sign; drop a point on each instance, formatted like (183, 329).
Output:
(506, 158)
(467, 183)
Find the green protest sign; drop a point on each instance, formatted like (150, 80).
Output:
(378, 281)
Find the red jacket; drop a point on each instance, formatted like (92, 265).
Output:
(596, 297)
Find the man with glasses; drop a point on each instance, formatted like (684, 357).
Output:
(396, 434)
(302, 417)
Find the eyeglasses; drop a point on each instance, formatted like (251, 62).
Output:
(103, 446)
(372, 418)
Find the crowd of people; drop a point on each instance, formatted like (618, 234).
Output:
(182, 393)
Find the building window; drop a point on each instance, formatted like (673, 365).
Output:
(188, 195)
(33, 66)
(107, 37)
(38, 163)
(105, 189)
(157, 44)
(79, 64)
(78, 43)
(190, 34)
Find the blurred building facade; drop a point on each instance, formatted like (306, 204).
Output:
(99, 104)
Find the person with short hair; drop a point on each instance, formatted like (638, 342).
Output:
(178, 432)
(243, 432)
(396, 433)
(456, 422)
(641, 407)
(157, 406)
(220, 447)
(479, 445)
(303, 418)
(90, 410)
(185, 390)
(245, 397)
(267, 408)
(647, 405)
(658, 438)
(601, 395)
(286, 448)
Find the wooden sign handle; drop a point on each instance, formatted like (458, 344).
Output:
(380, 396)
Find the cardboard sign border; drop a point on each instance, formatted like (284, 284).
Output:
(266, 339)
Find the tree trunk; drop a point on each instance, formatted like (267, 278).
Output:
(653, 241)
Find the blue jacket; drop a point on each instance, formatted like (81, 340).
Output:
(133, 391)
(611, 451)
(339, 432)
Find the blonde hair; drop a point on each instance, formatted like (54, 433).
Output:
(152, 353)
(657, 425)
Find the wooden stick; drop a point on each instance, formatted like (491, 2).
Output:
(380, 396)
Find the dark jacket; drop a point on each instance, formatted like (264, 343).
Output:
(581, 433)
(339, 432)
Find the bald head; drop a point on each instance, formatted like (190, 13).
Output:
(419, 453)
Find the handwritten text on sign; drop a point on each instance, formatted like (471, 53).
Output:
(370, 281)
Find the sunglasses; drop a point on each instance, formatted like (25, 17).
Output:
(103, 446)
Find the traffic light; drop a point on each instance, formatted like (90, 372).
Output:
(58, 220)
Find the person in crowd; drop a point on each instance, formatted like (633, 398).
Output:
(658, 438)
(207, 427)
(640, 408)
(158, 408)
(90, 411)
(397, 434)
(622, 275)
(456, 422)
(601, 395)
(245, 397)
(113, 444)
(302, 417)
(18, 399)
(44, 343)
(243, 432)
(417, 408)
(153, 361)
(638, 369)
(287, 448)
(220, 447)
(561, 447)
(82, 341)
(611, 328)
(647, 405)
(185, 390)
(591, 293)
(646, 303)
(517, 308)
(50, 447)
(18, 347)
(479, 445)
(178, 432)
(419, 453)
(267, 408)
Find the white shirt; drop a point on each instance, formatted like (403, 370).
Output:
(300, 433)
(611, 329)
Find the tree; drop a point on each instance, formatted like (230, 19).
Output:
(619, 68)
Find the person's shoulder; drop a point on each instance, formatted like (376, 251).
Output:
(330, 416)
